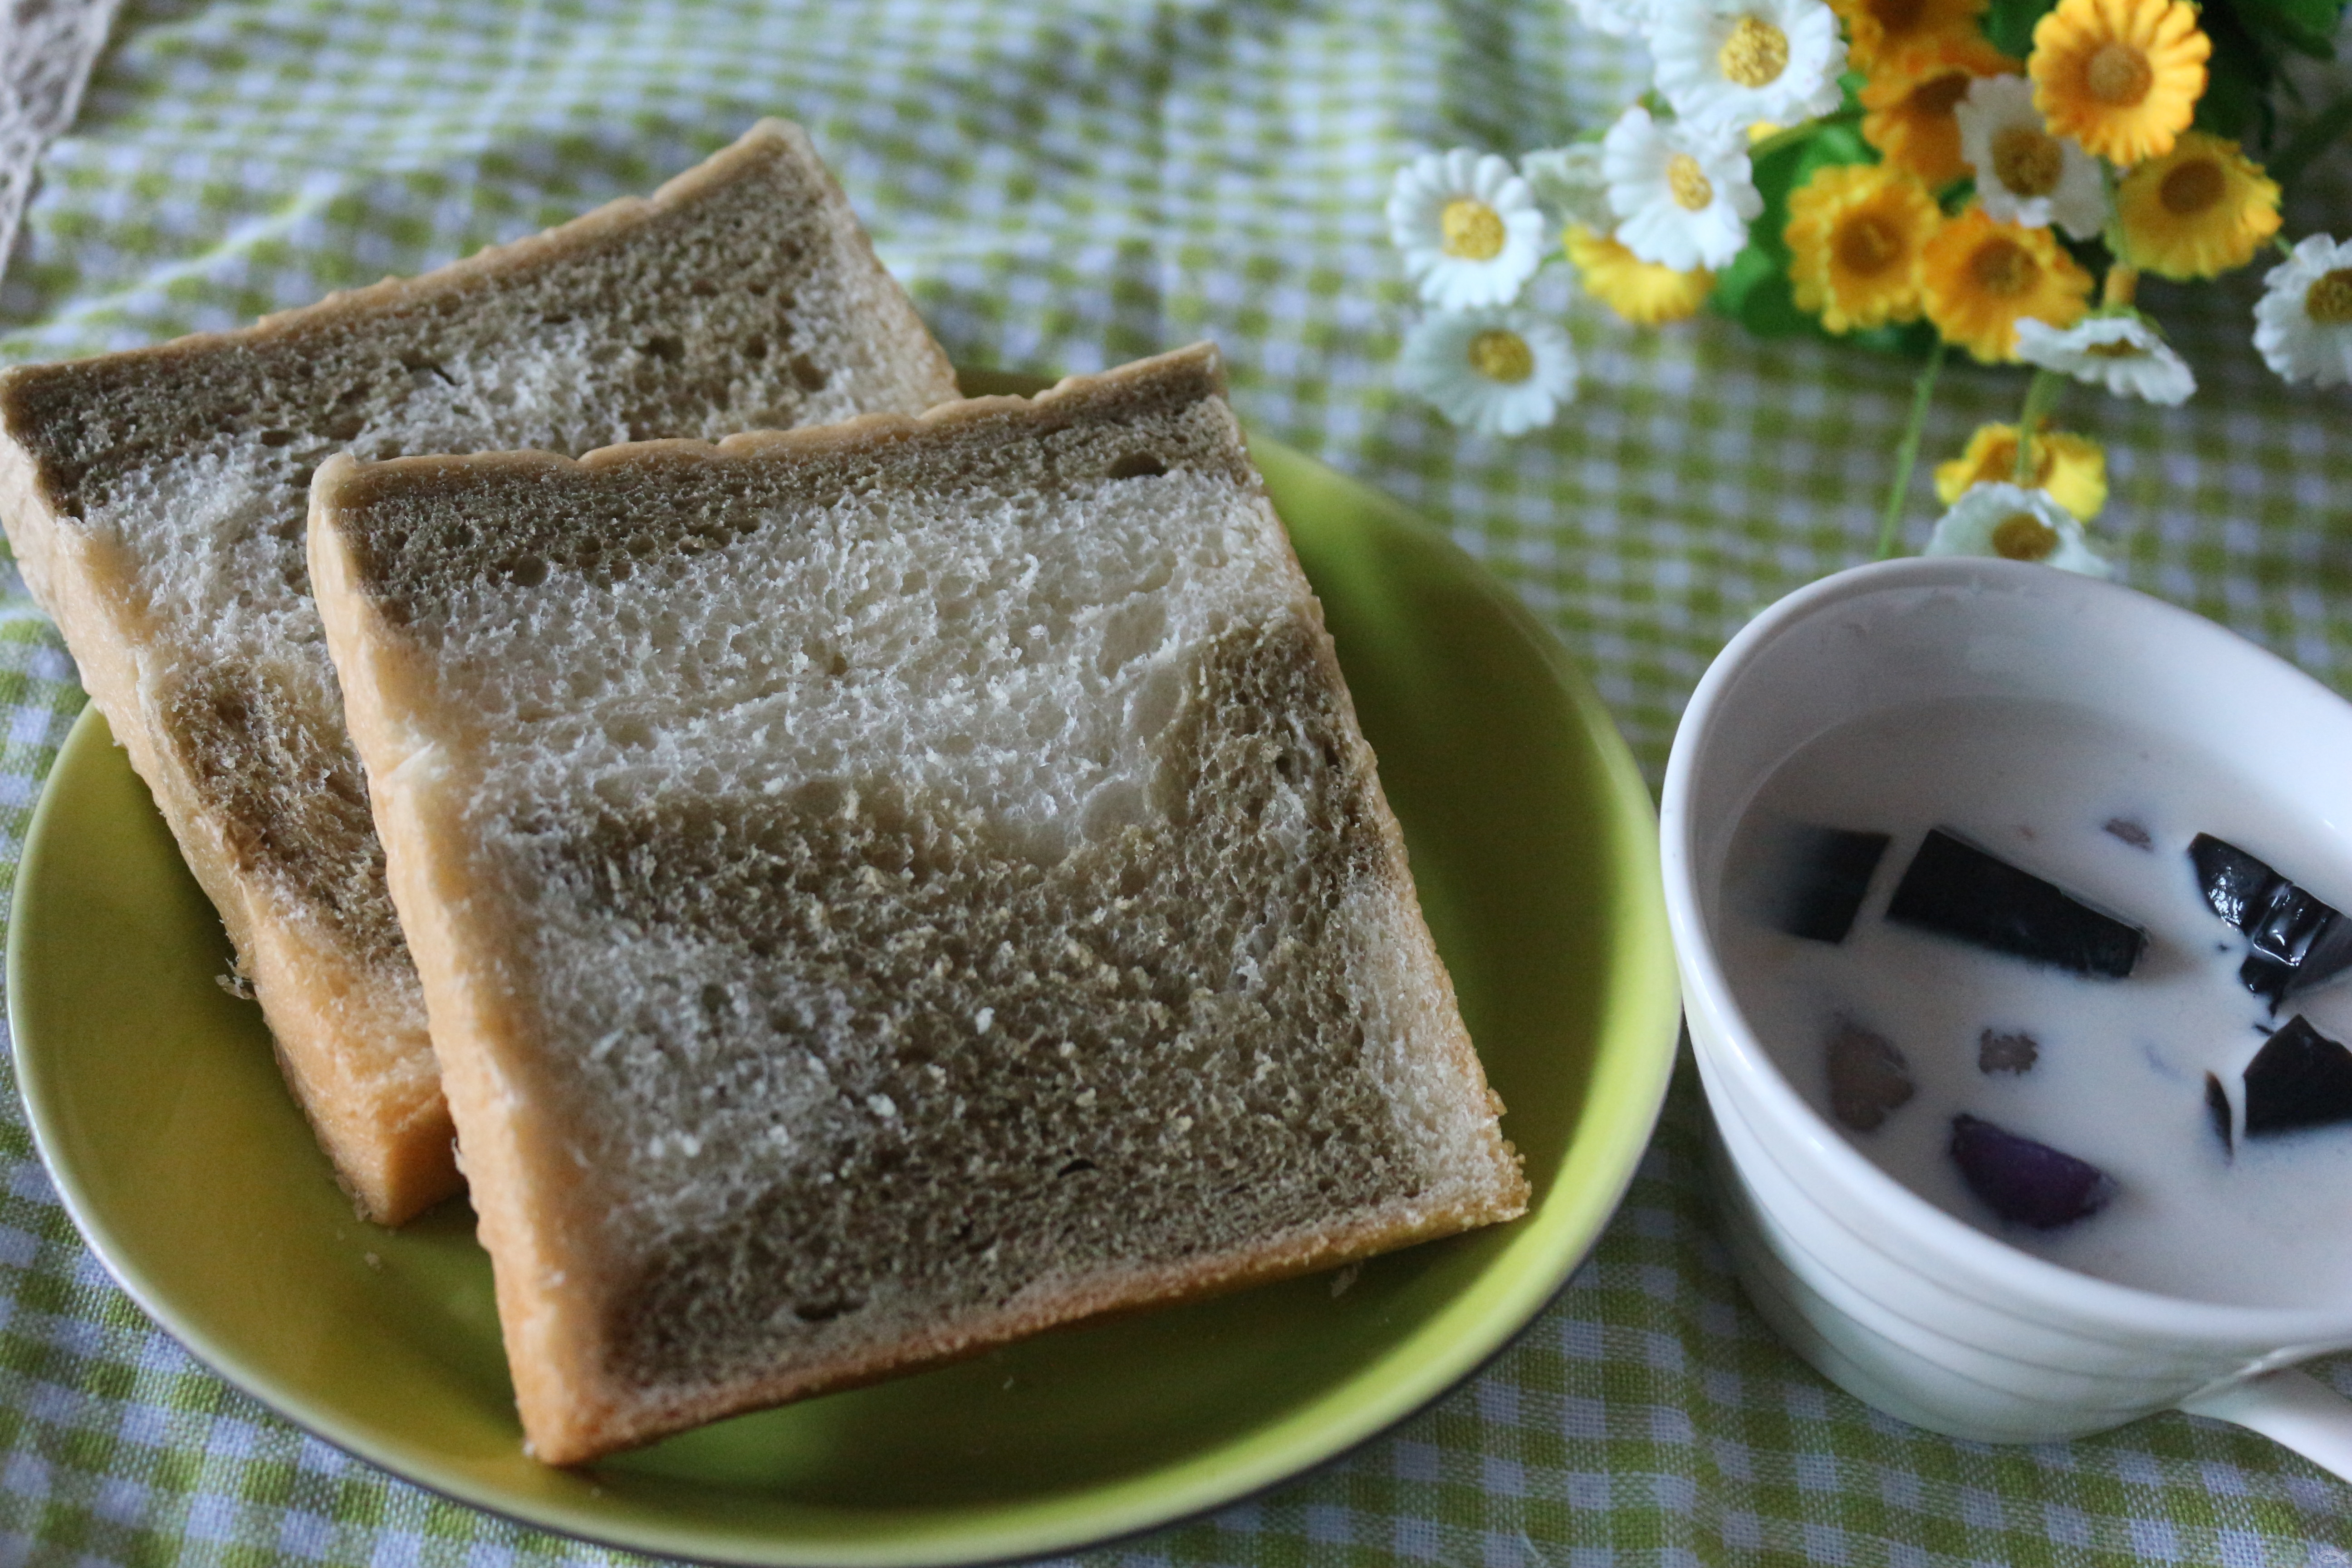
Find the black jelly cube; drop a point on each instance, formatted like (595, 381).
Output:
(2217, 1106)
(2023, 1181)
(2232, 880)
(1959, 890)
(2297, 941)
(1826, 875)
(2301, 1078)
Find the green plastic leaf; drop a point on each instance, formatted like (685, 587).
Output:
(2009, 23)
(2238, 80)
(2306, 27)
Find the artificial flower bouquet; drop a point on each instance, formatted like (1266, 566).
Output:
(1918, 175)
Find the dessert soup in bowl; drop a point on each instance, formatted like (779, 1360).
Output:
(2007, 907)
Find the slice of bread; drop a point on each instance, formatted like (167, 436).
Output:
(156, 500)
(887, 890)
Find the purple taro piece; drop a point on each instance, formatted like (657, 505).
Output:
(2020, 1180)
(1868, 1077)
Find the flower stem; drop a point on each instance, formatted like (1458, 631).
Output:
(2310, 141)
(2122, 285)
(1907, 455)
(2039, 393)
(1788, 134)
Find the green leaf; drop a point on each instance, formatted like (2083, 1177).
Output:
(2306, 27)
(2238, 80)
(2009, 23)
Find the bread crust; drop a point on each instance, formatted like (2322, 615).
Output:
(348, 1024)
(538, 1209)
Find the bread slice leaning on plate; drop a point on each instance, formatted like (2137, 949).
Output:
(156, 501)
(887, 890)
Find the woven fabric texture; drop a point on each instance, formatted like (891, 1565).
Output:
(1065, 184)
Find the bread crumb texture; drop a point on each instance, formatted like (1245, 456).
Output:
(743, 296)
(950, 878)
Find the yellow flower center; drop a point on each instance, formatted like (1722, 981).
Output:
(1502, 356)
(2027, 160)
(2022, 536)
(2118, 75)
(1473, 230)
(2003, 269)
(2122, 347)
(2192, 187)
(1688, 182)
(1754, 54)
(1896, 15)
(2329, 302)
(1867, 243)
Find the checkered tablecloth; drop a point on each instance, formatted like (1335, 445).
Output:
(1064, 185)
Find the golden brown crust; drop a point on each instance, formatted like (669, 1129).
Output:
(552, 1293)
(348, 1027)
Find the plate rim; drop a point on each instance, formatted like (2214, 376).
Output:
(1641, 1002)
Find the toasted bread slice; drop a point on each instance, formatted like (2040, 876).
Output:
(156, 500)
(887, 889)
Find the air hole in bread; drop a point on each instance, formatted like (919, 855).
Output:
(526, 570)
(807, 374)
(664, 346)
(1136, 465)
(824, 1311)
(276, 437)
(1077, 1165)
(755, 347)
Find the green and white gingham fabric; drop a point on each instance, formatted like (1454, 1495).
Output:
(1064, 185)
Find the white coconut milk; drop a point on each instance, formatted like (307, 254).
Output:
(2120, 1069)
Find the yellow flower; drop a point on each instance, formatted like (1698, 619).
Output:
(1908, 103)
(2073, 468)
(1879, 30)
(1981, 277)
(2201, 209)
(1643, 293)
(1855, 235)
(2121, 76)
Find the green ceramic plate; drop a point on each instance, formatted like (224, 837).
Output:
(160, 1112)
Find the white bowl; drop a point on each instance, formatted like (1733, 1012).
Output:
(1904, 1305)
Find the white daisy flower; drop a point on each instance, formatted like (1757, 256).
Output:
(1683, 197)
(1500, 372)
(1570, 186)
(2024, 174)
(1469, 227)
(2302, 323)
(1618, 18)
(1735, 62)
(2124, 353)
(2016, 524)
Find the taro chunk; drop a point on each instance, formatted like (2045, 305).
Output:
(2010, 1051)
(2301, 1078)
(2297, 941)
(1824, 874)
(2027, 1182)
(1868, 1077)
(1957, 890)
